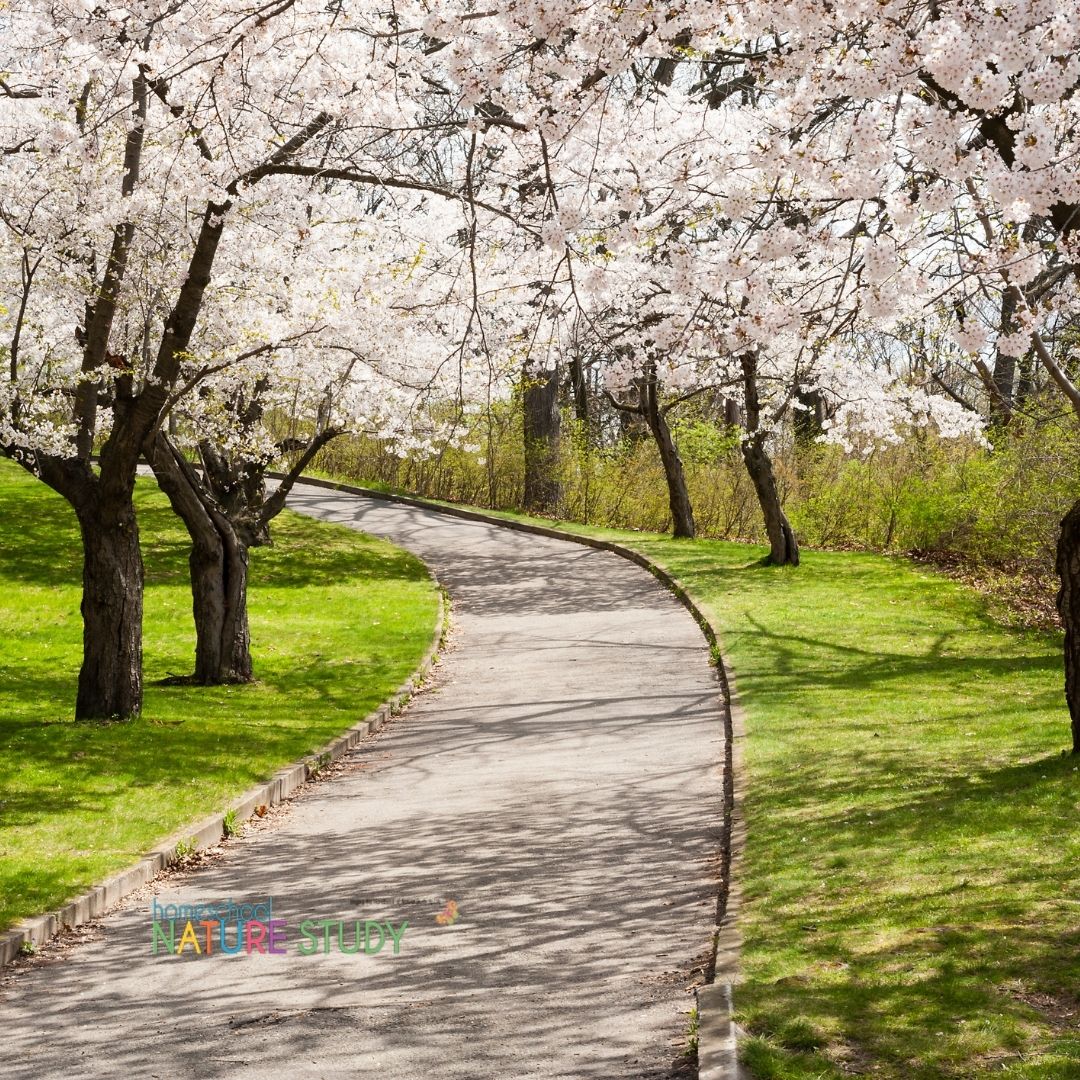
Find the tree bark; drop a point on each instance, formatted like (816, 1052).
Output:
(540, 398)
(219, 571)
(579, 388)
(809, 421)
(226, 511)
(1025, 382)
(110, 680)
(1000, 382)
(1068, 605)
(682, 513)
(219, 604)
(1004, 376)
(783, 547)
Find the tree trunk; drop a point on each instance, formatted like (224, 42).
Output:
(579, 388)
(783, 547)
(110, 681)
(1004, 373)
(809, 421)
(1025, 382)
(540, 396)
(1068, 605)
(1004, 376)
(219, 572)
(219, 604)
(682, 513)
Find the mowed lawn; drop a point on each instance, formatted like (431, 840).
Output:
(912, 866)
(338, 621)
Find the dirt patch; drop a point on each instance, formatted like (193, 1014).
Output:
(1061, 1011)
(850, 1058)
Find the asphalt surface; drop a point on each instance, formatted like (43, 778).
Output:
(560, 782)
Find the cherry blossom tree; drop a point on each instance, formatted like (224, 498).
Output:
(147, 153)
(697, 266)
(724, 195)
(960, 120)
(370, 362)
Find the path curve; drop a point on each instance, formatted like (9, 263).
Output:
(560, 780)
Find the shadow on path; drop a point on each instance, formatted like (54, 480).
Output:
(560, 781)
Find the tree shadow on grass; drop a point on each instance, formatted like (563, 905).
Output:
(911, 880)
(854, 667)
(948, 1000)
(923, 917)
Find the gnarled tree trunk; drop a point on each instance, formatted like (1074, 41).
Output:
(682, 513)
(227, 512)
(783, 547)
(219, 578)
(219, 571)
(1068, 605)
(110, 680)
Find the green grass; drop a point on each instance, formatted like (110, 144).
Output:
(338, 621)
(912, 895)
(910, 866)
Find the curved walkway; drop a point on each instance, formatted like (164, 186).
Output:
(560, 781)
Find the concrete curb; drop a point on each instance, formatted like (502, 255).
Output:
(717, 1052)
(718, 1055)
(209, 830)
(718, 1035)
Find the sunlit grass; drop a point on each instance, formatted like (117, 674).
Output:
(338, 620)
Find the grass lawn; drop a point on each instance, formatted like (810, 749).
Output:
(912, 869)
(338, 621)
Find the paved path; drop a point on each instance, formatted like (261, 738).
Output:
(561, 782)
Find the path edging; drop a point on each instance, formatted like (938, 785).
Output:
(210, 830)
(717, 1052)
